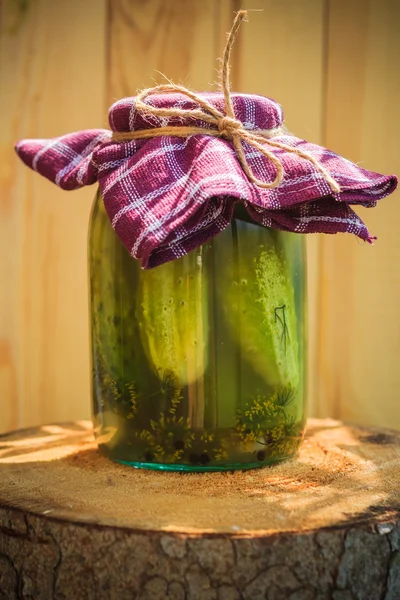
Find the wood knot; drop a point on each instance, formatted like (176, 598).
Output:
(228, 127)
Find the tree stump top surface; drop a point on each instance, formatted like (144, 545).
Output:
(343, 475)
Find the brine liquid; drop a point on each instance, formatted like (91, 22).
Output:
(199, 364)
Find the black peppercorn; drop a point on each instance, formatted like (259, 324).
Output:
(204, 459)
(179, 445)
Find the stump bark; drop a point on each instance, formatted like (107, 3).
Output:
(74, 525)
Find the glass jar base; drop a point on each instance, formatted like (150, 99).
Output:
(202, 468)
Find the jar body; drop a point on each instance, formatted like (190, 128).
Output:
(199, 364)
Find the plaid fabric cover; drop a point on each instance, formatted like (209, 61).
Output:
(165, 196)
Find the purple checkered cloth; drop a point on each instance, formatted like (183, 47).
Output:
(167, 195)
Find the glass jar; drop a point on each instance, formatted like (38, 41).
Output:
(199, 364)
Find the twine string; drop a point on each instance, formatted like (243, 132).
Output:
(225, 126)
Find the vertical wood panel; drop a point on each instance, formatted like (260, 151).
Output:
(282, 56)
(360, 329)
(177, 38)
(336, 73)
(52, 82)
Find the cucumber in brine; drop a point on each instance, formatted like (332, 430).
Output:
(171, 310)
(259, 306)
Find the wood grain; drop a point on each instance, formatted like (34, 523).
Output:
(178, 39)
(332, 64)
(359, 345)
(53, 66)
(282, 55)
(325, 525)
(339, 473)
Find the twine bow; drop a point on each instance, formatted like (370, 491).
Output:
(225, 126)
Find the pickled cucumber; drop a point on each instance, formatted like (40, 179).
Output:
(118, 357)
(171, 302)
(259, 308)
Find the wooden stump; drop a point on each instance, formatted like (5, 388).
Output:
(325, 525)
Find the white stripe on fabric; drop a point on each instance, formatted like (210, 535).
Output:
(130, 191)
(280, 111)
(110, 165)
(220, 222)
(183, 205)
(212, 216)
(122, 103)
(132, 114)
(263, 173)
(141, 200)
(28, 142)
(159, 191)
(359, 179)
(170, 155)
(78, 158)
(138, 164)
(58, 146)
(354, 220)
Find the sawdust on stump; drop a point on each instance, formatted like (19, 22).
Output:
(341, 474)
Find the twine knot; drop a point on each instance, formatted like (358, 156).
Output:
(224, 125)
(229, 127)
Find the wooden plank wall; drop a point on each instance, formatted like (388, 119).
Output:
(335, 67)
(359, 341)
(52, 73)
